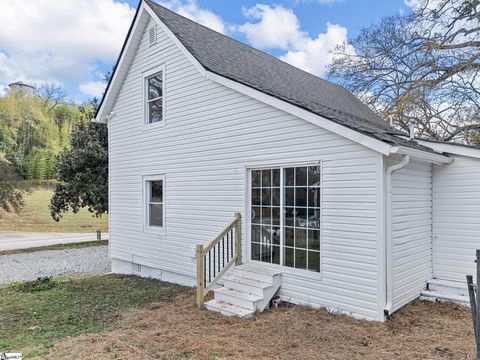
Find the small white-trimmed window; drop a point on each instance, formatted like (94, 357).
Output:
(155, 96)
(154, 202)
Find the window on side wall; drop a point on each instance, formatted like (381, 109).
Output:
(154, 97)
(154, 206)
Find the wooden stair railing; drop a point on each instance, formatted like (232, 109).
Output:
(215, 258)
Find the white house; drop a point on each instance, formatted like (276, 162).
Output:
(336, 208)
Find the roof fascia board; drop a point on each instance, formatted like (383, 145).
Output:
(437, 159)
(175, 39)
(102, 115)
(451, 148)
(338, 129)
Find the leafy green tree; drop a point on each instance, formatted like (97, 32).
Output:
(83, 172)
(12, 188)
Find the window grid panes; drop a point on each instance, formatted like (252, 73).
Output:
(301, 217)
(155, 203)
(266, 215)
(155, 98)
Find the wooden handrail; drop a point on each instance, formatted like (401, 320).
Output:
(231, 239)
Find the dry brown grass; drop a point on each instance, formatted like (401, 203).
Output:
(177, 330)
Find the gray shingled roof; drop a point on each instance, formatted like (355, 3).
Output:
(234, 60)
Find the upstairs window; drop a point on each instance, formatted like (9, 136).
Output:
(154, 104)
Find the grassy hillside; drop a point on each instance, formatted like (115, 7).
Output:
(35, 217)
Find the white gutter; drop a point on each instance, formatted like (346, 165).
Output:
(456, 149)
(389, 232)
(434, 158)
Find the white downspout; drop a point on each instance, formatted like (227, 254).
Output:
(389, 232)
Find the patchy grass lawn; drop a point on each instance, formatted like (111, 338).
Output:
(35, 314)
(178, 330)
(35, 217)
(67, 246)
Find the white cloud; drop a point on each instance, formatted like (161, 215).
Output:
(275, 27)
(93, 88)
(413, 4)
(3, 90)
(314, 55)
(59, 40)
(192, 11)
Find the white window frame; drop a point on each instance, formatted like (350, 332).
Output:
(145, 76)
(146, 203)
(248, 205)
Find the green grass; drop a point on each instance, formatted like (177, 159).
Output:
(78, 245)
(35, 217)
(35, 314)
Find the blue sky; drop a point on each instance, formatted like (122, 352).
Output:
(73, 44)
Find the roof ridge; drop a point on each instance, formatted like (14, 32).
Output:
(263, 72)
(250, 47)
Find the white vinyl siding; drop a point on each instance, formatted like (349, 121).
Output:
(213, 136)
(456, 218)
(412, 231)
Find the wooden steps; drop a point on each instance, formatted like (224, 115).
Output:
(246, 289)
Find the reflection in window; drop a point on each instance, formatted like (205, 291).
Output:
(265, 217)
(155, 98)
(302, 217)
(155, 203)
(300, 212)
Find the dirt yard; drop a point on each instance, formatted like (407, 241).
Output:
(177, 330)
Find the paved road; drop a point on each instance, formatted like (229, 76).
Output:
(29, 266)
(22, 240)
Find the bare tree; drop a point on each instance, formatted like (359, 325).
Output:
(448, 32)
(420, 68)
(51, 95)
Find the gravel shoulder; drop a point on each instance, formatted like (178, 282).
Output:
(29, 266)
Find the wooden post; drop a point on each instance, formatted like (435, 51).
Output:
(200, 271)
(477, 323)
(473, 305)
(238, 239)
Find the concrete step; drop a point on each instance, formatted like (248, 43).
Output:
(228, 309)
(247, 285)
(238, 298)
(433, 295)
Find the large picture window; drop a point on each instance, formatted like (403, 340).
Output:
(285, 223)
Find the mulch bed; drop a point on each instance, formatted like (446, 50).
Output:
(178, 330)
